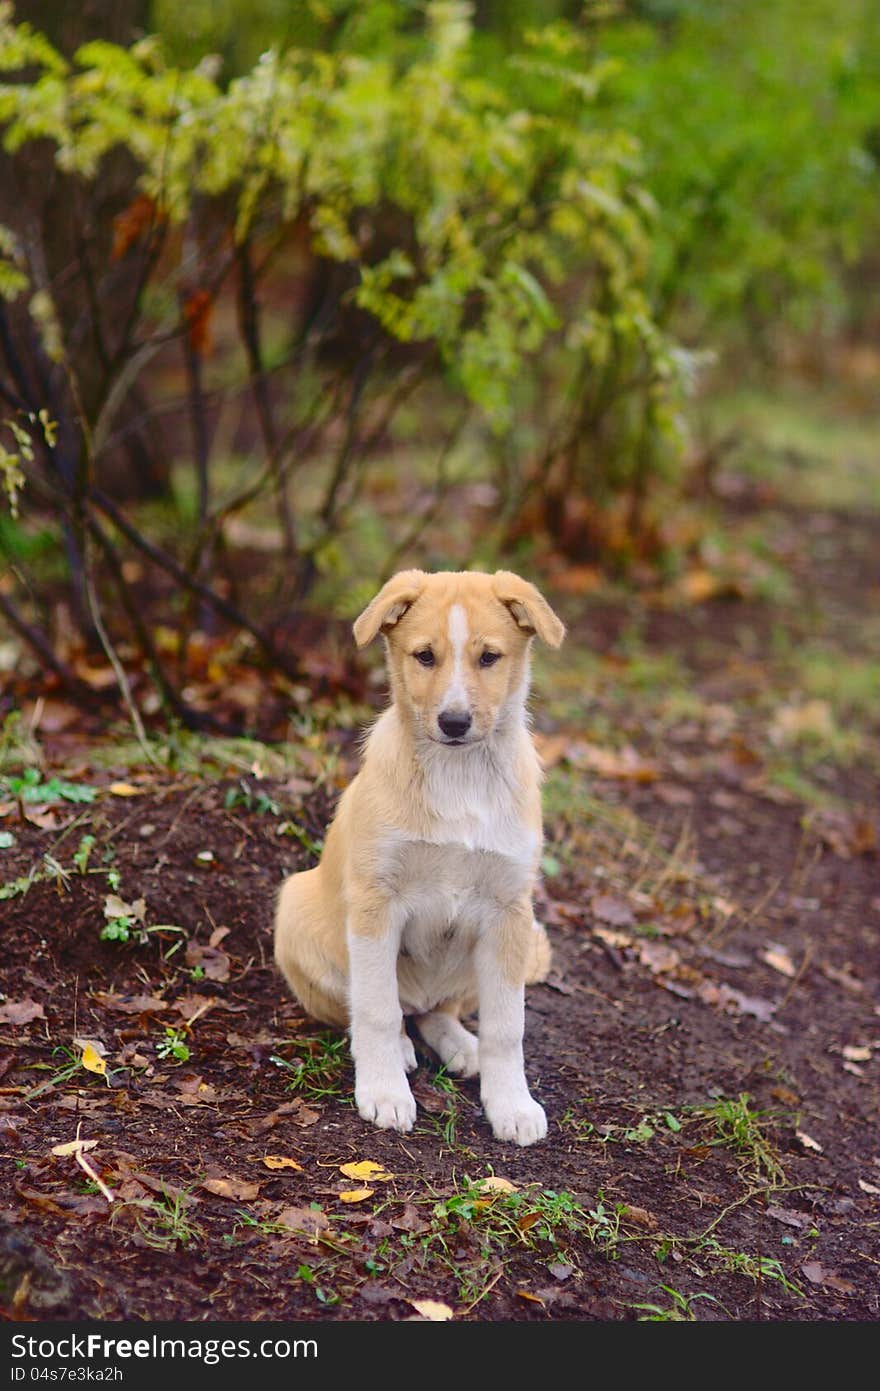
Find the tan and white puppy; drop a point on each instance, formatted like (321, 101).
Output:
(422, 902)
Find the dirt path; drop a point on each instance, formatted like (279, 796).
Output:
(706, 1049)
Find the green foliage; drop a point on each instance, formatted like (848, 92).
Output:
(31, 786)
(756, 122)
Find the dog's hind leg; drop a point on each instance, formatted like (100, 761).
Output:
(454, 1045)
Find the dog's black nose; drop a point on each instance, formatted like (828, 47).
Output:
(454, 723)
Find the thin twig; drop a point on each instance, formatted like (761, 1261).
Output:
(113, 659)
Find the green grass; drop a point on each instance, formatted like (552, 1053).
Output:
(164, 1222)
(735, 1125)
(319, 1065)
(790, 435)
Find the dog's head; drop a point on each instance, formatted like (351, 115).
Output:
(458, 648)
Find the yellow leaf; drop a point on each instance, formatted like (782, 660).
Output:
(534, 1298)
(356, 1195)
(92, 1060)
(280, 1161)
(432, 1309)
(366, 1169)
(501, 1185)
(124, 789)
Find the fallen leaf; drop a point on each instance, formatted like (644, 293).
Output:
(818, 1275)
(789, 1217)
(846, 833)
(869, 1187)
(280, 1161)
(214, 962)
(129, 1004)
(842, 977)
(20, 1012)
(552, 748)
(366, 1169)
(611, 938)
(432, 1310)
(410, 1220)
(355, 1195)
(640, 1216)
(777, 957)
(624, 763)
(612, 910)
(812, 719)
(560, 1270)
(92, 1060)
(857, 1054)
(238, 1188)
(533, 1298)
(123, 789)
(73, 1147)
(116, 907)
(497, 1184)
(305, 1221)
(808, 1142)
(658, 957)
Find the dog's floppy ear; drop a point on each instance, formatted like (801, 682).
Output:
(528, 608)
(389, 605)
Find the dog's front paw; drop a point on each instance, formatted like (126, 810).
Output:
(388, 1107)
(408, 1053)
(521, 1120)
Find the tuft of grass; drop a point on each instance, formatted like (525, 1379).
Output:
(318, 1066)
(681, 1310)
(163, 1222)
(740, 1128)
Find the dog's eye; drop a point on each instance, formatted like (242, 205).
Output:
(425, 658)
(488, 659)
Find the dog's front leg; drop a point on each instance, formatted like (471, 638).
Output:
(501, 958)
(381, 1091)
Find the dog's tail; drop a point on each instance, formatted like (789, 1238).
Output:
(540, 955)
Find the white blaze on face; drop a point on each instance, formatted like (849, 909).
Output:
(455, 696)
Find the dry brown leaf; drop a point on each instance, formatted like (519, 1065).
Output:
(813, 719)
(214, 962)
(615, 911)
(239, 1189)
(623, 763)
(818, 1275)
(789, 1217)
(808, 1142)
(304, 1221)
(640, 1216)
(432, 1310)
(280, 1161)
(612, 938)
(20, 1012)
(73, 1147)
(552, 748)
(129, 1004)
(658, 957)
(842, 977)
(777, 957)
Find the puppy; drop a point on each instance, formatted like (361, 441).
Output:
(422, 903)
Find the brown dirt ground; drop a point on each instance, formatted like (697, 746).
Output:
(620, 1035)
